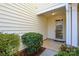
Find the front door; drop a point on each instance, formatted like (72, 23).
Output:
(59, 30)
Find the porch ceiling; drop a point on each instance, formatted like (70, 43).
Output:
(56, 12)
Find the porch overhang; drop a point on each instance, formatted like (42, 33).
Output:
(50, 8)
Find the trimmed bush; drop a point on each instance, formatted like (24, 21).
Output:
(33, 41)
(9, 44)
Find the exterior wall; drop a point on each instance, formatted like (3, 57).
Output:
(52, 25)
(20, 18)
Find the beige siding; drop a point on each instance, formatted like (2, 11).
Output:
(21, 18)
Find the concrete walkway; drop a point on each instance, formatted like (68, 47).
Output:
(48, 52)
(51, 44)
(52, 47)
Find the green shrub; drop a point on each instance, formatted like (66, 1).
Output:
(9, 44)
(77, 51)
(33, 41)
(62, 53)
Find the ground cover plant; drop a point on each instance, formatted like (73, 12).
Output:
(68, 51)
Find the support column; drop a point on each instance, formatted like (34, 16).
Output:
(68, 25)
(74, 25)
(71, 25)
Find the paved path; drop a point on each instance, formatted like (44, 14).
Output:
(51, 44)
(48, 52)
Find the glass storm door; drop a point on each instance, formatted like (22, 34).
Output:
(59, 30)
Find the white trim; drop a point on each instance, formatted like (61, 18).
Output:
(74, 25)
(68, 24)
(51, 8)
(71, 25)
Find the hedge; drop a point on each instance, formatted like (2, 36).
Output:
(9, 44)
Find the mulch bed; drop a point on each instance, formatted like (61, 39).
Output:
(24, 52)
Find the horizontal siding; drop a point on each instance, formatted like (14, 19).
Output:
(15, 15)
(20, 18)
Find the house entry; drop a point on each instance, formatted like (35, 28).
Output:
(59, 30)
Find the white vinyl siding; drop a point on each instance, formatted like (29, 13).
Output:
(20, 18)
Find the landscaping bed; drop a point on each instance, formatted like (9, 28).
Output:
(9, 44)
(25, 53)
(68, 51)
